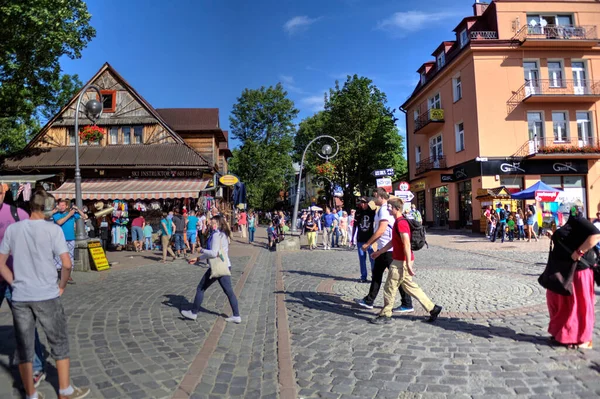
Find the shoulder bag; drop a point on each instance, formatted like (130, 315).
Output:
(218, 265)
(558, 274)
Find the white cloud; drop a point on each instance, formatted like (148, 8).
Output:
(298, 23)
(402, 23)
(290, 84)
(313, 103)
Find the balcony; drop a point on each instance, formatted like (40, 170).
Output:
(483, 35)
(430, 121)
(558, 36)
(432, 163)
(557, 90)
(551, 147)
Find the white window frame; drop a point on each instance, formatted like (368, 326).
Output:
(430, 103)
(590, 121)
(440, 143)
(417, 154)
(459, 136)
(567, 135)
(457, 88)
(133, 135)
(553, 83)
(440, 60)
(586, 70)
(542, 124)
(110, 141)
(463, 40)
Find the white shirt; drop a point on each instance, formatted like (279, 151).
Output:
(382, 215)
(219, 243)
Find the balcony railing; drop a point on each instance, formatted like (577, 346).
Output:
(557, 88)
(557, 32)
(431, 163)
(559, 146)
(432, 115)
(484, 35)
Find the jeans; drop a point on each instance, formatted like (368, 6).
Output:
(39, 363)
(335, 238)
(179, 244)
(521, 232)
(382, 262)
(511, 235)
(148, 243)
(225, 283)
(362, 259)
(251, 231)
(500, 228)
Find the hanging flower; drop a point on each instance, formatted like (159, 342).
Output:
(326, 169)
(91, 134)
(569, 149)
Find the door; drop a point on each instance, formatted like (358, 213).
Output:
(532, 74)
(436, 151)
(579, 78)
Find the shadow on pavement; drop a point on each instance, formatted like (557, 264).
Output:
(321, 275)
(329, 303)
(180, 302)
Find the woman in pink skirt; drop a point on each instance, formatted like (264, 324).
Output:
(572, 317)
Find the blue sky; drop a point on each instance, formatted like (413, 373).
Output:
(203, 53)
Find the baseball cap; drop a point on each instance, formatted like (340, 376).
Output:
(362, 199)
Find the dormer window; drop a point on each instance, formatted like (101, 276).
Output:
(423, 78)
(464, 38)
(441, 60)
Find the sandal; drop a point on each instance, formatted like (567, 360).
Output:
(585, 345)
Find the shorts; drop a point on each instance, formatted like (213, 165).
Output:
(51, 316)
(137, 233)
(191, 237)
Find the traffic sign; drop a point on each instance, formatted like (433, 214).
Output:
(406, 196)
(404, 186)
(383, 172)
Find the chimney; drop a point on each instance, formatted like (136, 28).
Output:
(479, 8)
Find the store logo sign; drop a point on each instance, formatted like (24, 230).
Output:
(460, 174)
(564, 167)
(514, 167)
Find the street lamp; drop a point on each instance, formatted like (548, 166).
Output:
(93, 110)
(326, 154)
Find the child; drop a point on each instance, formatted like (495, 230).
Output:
(493, 227)
(271, 236)
(511, 228)
(148, 237)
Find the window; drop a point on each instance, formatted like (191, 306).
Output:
(555, 73)
(544, 24)
(459, 130)
(436, 148)
(559, 124)
(464, 38)
(584, 128)
(441, 60)
(126, 135)
(457, 85)
(416, 115)
(138, 134)
(423, 78)
(418, 154)
(71, 136)
(552, 181)
(109, 100)
(535, 123)
(435, 102)
(113, 135)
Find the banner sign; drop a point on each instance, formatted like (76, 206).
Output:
(385, 183)
(447, 178)
(546, 196)
(530, 167)
(98, 256)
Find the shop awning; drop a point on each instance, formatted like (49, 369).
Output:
(124, 189)
(23, 178)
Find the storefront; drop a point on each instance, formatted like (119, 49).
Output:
(465, 204)
(418, 189)
(441, 206)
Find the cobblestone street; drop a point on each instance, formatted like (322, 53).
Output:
(310, 339)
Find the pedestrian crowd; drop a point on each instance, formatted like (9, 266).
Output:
(505, 224)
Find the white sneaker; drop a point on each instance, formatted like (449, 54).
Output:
(361, 302)
(234, 319)
(189, 315)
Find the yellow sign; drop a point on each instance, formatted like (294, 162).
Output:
(436, 114)
(418, 185)
(228, 180)
(98, 256)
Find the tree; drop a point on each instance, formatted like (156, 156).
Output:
(34, 35)
(358, 117)
(262, 120)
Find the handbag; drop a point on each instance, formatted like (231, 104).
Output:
(218, 266)
(558, 274)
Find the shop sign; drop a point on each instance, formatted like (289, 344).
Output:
(98, 256)
(383, 172)
(228, 180)
(546, 196)
(447, 178)
(532, 167)
(436, 114)
(167, 173)
(385, 183)
(418, 185)
(466, 171)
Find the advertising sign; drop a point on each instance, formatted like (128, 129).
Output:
(228, 180)
(385, 183)
(546, 196)
(98, 256)
(383, 172)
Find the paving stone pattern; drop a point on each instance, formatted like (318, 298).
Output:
(338, 354)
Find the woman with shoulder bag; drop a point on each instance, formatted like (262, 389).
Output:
(572, 316)
(217, 255)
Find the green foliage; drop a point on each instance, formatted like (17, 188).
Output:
(262, 120)
(357, 116)
(34, 35)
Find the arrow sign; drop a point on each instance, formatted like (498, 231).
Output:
(406, 196)
(383, 172)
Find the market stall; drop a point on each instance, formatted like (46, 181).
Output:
(547, 207)
(491, 197)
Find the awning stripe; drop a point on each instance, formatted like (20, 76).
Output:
(104, 189)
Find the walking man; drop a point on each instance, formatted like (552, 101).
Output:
(36, 293)
(328, 219)
(167, 228)
(363, 228)
(66, 220)
(179, 228)
(501, 223)
(383, 225)
(401, 270)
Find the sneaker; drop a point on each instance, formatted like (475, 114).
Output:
(70, 281)
(381, 320)
(404, 309)
(188, 314)
(78, 393)
(38, 377)
(234, 319)
(435, 312)
(363, 280)
(361, 302)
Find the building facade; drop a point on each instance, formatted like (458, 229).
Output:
(512, 100)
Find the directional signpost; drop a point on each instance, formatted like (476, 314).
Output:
(406, 196)
(383, 172)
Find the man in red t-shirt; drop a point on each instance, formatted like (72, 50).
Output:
(401, 270)
(243, 222)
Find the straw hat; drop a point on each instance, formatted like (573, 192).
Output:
(99, 205)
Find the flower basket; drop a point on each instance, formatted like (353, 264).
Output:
(569, 149)
(91, 134)
(327, 170)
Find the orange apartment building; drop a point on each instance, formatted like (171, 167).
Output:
(514, 99)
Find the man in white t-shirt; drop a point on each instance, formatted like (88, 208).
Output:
(36, 294)
(383, 225)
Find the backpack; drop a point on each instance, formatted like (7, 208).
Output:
(14, 212)
(502, 214)
(417, 235)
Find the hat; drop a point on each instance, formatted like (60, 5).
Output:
(362, 199)
(99, 205)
